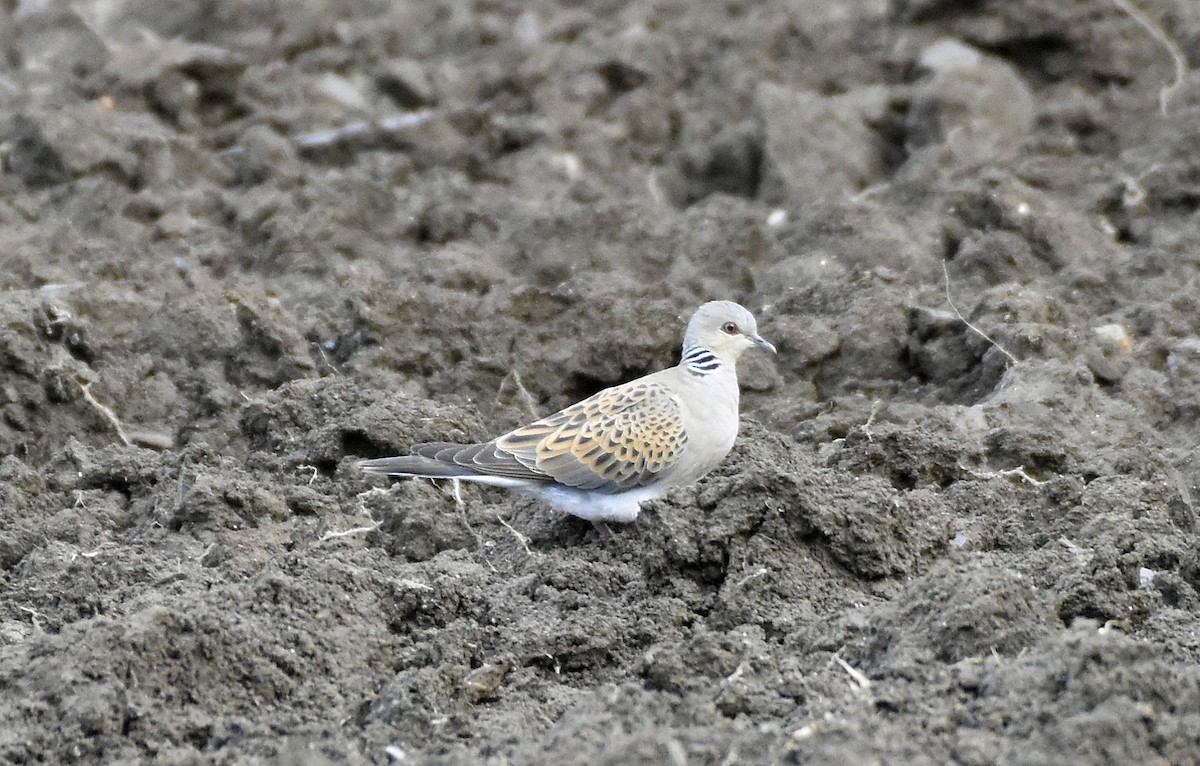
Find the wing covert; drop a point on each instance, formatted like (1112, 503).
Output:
(620, 438)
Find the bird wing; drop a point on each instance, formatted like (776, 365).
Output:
(618, 439)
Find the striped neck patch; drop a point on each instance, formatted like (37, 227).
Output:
(700, 361)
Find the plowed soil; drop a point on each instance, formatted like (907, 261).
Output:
(246, 244)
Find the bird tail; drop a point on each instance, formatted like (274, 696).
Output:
(421, 466)
(415, 465)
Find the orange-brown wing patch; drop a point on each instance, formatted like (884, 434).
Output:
(620, 438)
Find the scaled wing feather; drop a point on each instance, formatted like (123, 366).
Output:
(621, 438)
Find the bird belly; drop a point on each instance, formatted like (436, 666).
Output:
(597, 506)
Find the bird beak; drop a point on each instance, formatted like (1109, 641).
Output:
(762, 343)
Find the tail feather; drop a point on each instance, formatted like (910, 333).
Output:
(416, 465)
(431, 468)
(449, 460)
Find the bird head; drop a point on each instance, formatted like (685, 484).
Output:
(726, 329)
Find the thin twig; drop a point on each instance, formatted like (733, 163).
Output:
(351, 129)
(866, 427)
(348, 532)
(760, 572)
(858, 676)
(963, 319)
(1019, 472)
(1172, 47)
(105, 411)
(526, 397)
(461, 504)
(325, 358)
(522, 539)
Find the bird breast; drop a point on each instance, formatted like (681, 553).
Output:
(711, 422)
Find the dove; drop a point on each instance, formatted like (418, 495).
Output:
(601, 458)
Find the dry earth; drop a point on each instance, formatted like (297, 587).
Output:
(245, 244)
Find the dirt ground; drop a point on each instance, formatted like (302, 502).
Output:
(245, 244)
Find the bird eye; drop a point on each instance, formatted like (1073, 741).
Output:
(729, 328)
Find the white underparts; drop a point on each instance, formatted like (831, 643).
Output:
(586, 504)
(594, 506)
